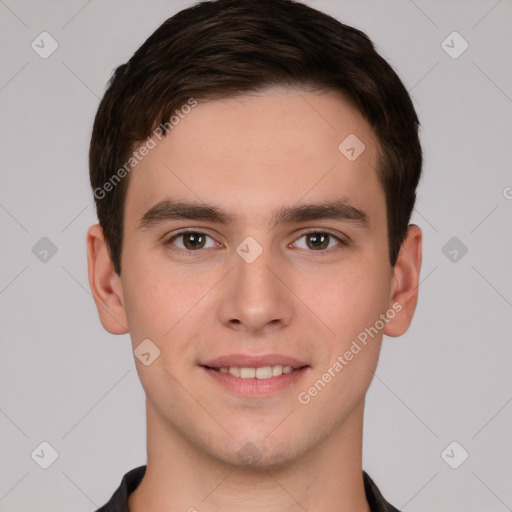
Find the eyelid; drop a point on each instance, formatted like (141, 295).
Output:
(342, 238)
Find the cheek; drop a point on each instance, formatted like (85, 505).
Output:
(154, 302)
(350, 298)
(351, 305)
(171, 308)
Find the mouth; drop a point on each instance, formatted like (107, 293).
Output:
(255, 376)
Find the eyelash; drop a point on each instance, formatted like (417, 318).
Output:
(190, 253)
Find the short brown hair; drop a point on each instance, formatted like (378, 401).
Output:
(225, 48)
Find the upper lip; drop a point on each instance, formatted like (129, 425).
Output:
(247, 361)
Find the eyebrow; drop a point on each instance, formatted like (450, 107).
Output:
(340, 210)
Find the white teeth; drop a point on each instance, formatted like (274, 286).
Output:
(247, 373)
(277, 370)
(263, 372)
(233, 370)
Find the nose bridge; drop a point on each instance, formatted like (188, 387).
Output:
(254, 297)
(253, 276)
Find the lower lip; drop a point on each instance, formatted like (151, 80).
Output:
(256, 387)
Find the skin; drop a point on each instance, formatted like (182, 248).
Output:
(251, 156)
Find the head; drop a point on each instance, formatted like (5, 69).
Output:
(251, 124)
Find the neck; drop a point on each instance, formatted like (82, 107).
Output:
(179, 477)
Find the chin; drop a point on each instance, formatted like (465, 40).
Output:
(261, 454)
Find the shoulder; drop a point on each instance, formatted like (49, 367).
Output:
(374, 496)
(119, 500)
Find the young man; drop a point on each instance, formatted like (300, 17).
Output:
(254, 166)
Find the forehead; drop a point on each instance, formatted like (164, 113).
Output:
(255, 153)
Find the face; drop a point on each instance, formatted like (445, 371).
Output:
(269, 277)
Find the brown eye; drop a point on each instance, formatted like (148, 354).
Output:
(191, 240)
(318, 241)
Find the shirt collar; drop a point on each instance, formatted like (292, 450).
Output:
(130, 481)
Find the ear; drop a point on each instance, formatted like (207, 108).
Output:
(405, 282)
(106, 286)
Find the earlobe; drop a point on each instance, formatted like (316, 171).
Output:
(404, 289)
(105, 284)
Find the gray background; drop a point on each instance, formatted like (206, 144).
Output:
(64, 380)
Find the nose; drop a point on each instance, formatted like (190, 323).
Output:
(255, 296)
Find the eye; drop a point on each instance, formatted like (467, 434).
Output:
(318, 241)
(192, 240)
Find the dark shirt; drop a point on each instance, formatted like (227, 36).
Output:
(119, 500)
